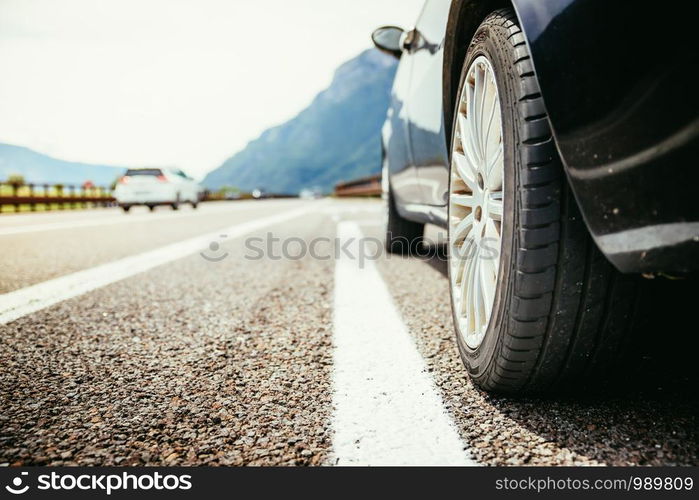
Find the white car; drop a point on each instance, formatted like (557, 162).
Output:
(156, 186)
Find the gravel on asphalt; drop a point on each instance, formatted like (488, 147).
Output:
(656, 425)
(194, 362)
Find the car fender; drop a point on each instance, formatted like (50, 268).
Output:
(618, 84)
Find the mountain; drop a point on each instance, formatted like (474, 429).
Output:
(336, 138)
(38, 168)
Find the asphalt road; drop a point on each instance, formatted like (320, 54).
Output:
(188, 338)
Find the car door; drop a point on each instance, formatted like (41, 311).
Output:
(425, 112)
(398, 161)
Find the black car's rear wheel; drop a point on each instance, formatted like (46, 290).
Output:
(536, 306)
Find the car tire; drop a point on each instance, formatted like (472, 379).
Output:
(151, 207)
(403, 236)
(125, 208)
(561, 314)
(176, 204)
(194, 205)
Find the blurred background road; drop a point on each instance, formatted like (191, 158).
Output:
(38, 247)
(173, 338)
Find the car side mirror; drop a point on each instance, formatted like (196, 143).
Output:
(388, 39)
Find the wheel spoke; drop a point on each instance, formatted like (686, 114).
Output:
(466, 170)
(493, 241)
(491, 231)
(471, 124)
(466, 286)
(462, 253)
(492, 118)
(461, 230)
(463, 200)
(470, 151)
(495, 206)
(488, 276)
(494, 160)
(494, 170)
(476, 299)
(481, 91)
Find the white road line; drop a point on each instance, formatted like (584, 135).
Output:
(27, 300)
(356, 207)
(123, 219)
(387, 410)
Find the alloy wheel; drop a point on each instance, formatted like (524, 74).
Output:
(476, 202)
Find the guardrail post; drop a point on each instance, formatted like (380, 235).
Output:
(32, 205)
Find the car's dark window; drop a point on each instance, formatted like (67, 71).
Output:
(144, 171)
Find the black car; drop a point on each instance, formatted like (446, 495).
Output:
(558, 141)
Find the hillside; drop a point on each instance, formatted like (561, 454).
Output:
(336, 138)
(38, 168)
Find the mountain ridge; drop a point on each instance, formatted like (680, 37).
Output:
(39, 168)
(335, 138)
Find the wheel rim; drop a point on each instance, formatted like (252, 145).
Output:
(476, 202)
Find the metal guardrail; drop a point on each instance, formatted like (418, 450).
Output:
(209, 196)
(62, 196)
(32, 196)
(366, 186)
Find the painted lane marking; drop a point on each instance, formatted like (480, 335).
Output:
(387, 409)
(19, 303)
(123, 219)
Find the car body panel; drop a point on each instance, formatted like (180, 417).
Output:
(426, 118)
(398, 161)
(623, 107)
(625, 113)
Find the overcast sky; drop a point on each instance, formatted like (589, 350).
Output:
(170, 82)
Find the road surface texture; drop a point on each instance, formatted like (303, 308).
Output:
(187, 338)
